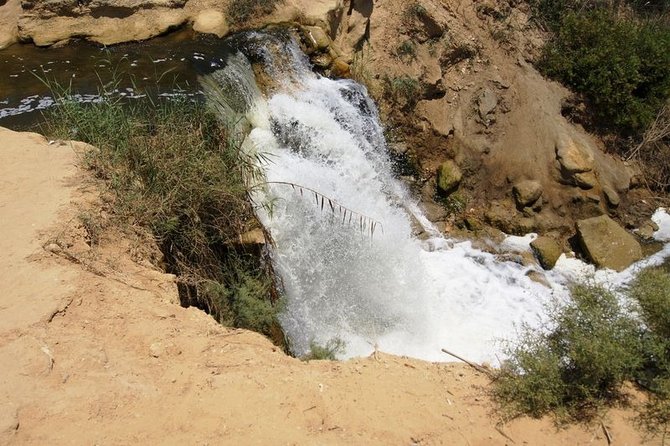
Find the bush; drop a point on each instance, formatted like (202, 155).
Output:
(577, 366)
(651, 289)
(621, 66)
(329, 351)
(173, 168)
(405, 91)
(594, 347)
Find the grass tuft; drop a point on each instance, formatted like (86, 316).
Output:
(174, 169)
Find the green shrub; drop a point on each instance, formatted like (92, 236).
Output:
(651, 289)
(621, 66)
(578, 365)
(174, 169)
(405, 91)
(406, 50)
(329, 351)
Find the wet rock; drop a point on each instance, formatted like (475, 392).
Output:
(449, 177)
(538, 277)
(211, 21)
(573, 157)
(547, 251)
(526, 193)
(487, 103)
(606, 244)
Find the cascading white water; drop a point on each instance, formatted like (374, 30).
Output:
(386, 290)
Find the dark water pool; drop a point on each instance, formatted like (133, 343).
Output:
(163, 66)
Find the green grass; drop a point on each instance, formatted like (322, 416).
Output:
(577, 368)
(172, 168)
(404, 91)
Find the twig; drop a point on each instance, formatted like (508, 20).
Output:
(607, 432)
(501, 432)
(475, 366)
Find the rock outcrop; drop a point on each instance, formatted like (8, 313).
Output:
(547, 251)
(606, 244)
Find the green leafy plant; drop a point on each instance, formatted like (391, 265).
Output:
(404, 90)
(578, 365)
(329, 351)
(621, 66)
(174, 168)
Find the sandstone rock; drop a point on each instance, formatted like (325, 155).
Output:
(547, 251)
(647, 229)
(611, 196)
(606, 244)
(527, 193)
(9, 14)
(156, 349)
(318, 39)
(487, 102)
(211, 21)
(322, 60)
(253, 237)
(585, 180)
(573, 157)
(340, 68)
(449, 177)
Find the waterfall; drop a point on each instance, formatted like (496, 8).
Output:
(328, 180)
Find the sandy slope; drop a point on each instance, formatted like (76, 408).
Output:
(97, 352)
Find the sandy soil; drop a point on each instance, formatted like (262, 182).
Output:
(94, 350)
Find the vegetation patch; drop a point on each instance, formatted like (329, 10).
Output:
(329, 351)
(173, 168)
(240, 11)
(579, 366)
(622, 67)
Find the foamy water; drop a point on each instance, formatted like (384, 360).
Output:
(386, 290)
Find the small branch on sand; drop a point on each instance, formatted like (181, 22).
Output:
(606, 432)
(501, 432)
(475, 366)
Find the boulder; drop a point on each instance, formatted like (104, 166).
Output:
(317, 37)
(449, 177)
(211, 21)
(487, 103)
(606, 244)
(585, 180)
(527, 193)
(547, 251)
(573, 157)
(340, 68)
